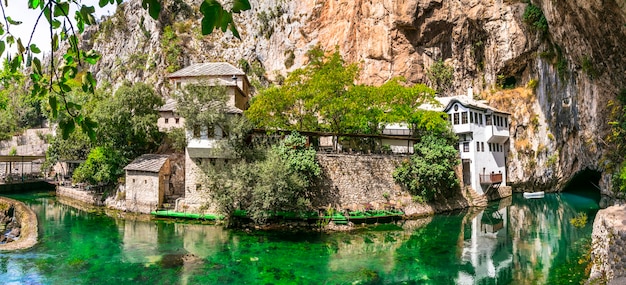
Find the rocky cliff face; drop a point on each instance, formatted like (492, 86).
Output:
(565, 76)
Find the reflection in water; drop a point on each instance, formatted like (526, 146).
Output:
(514, 241)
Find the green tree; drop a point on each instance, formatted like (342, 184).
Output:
(104, 165)
(127, 120)
(430, 170)
(441, 76)
(279, 179)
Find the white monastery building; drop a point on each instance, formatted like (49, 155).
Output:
(483, 133)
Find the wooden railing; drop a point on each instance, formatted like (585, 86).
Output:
(491, 178)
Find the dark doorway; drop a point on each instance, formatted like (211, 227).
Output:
(467, 175)
(585, 183)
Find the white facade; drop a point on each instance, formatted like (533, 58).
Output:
(483, 134)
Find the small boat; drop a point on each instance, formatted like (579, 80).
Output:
(533, 195)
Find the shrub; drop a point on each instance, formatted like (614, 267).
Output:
(430, 171)
(441, 76)
(534, 17)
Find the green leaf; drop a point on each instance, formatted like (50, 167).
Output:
(13, 22)
(103, 3)
(1, 29)
(20, 46)
(34, 48)
(55, 42)
(62, 9)
(37, 64)
(153, 6)
(92, 57)
(2, 47)
(233, 30)
(67, 127)
(212, 13)
(52, 100)
(241, 5)
(88, 82)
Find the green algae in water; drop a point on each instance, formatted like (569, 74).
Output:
(512, 242)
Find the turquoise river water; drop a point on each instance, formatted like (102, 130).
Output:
(514, 241)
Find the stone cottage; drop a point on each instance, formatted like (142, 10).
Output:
(147, 182)
(202, 143)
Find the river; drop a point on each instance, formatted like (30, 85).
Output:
(513, 241)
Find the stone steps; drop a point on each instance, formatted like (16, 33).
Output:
(476, 199)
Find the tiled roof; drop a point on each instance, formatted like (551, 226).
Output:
(446, 103)
(148, 163)
(169, 106)
(208, 69)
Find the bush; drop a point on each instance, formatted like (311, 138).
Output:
(103, 166)
(534, 17)
(430, 171)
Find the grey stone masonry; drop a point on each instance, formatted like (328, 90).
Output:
(609, 246)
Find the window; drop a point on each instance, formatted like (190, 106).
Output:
(456, 118)
(145, 182)
(196, 131)
(477, 146)
(133, 180)
(210, 131)
(167, 120)
(177, 120)
(472, 117)
(482, 146)
(464, 118)
(480, 117)
(490, 149)
(488, 120)
(466, 147)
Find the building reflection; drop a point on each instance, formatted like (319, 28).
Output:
(486, 246)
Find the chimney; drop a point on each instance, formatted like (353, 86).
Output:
(470, 93)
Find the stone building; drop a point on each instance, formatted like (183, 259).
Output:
(483, 133)
(147, 182)
(168, 118)
(203, 143)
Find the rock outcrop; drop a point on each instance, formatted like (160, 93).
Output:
(565, 75)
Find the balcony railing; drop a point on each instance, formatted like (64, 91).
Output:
(491, 178)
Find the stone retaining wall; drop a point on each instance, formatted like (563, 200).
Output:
(82, 195)
(353, 181)
(29, 226)
(609, 246)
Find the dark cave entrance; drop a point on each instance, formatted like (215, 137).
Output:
(585, 183)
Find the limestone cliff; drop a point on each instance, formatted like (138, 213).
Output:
(565, 75)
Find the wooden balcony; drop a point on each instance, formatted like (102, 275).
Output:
(493, 178)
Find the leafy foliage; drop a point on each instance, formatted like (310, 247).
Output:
(134, 107)
(278, 179)
(54, 83)
(441, 76)
(104, 165)
(534, 17)
(323, 97)
(430, 170)
(616, 140)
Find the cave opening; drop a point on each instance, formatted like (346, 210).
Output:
(585, 183)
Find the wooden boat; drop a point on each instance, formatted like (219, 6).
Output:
(534, 195)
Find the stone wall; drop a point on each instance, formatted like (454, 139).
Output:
(28, 143)
(609, 246)
(80, 194)
(358, 181)
(27, 219)
(142, 191)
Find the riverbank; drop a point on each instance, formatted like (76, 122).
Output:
(24, 232)
(92, 201)
(609, 246)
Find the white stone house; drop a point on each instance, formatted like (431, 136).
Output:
(483, 133)
(147, 182)
(168, 118)
(203, 143)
